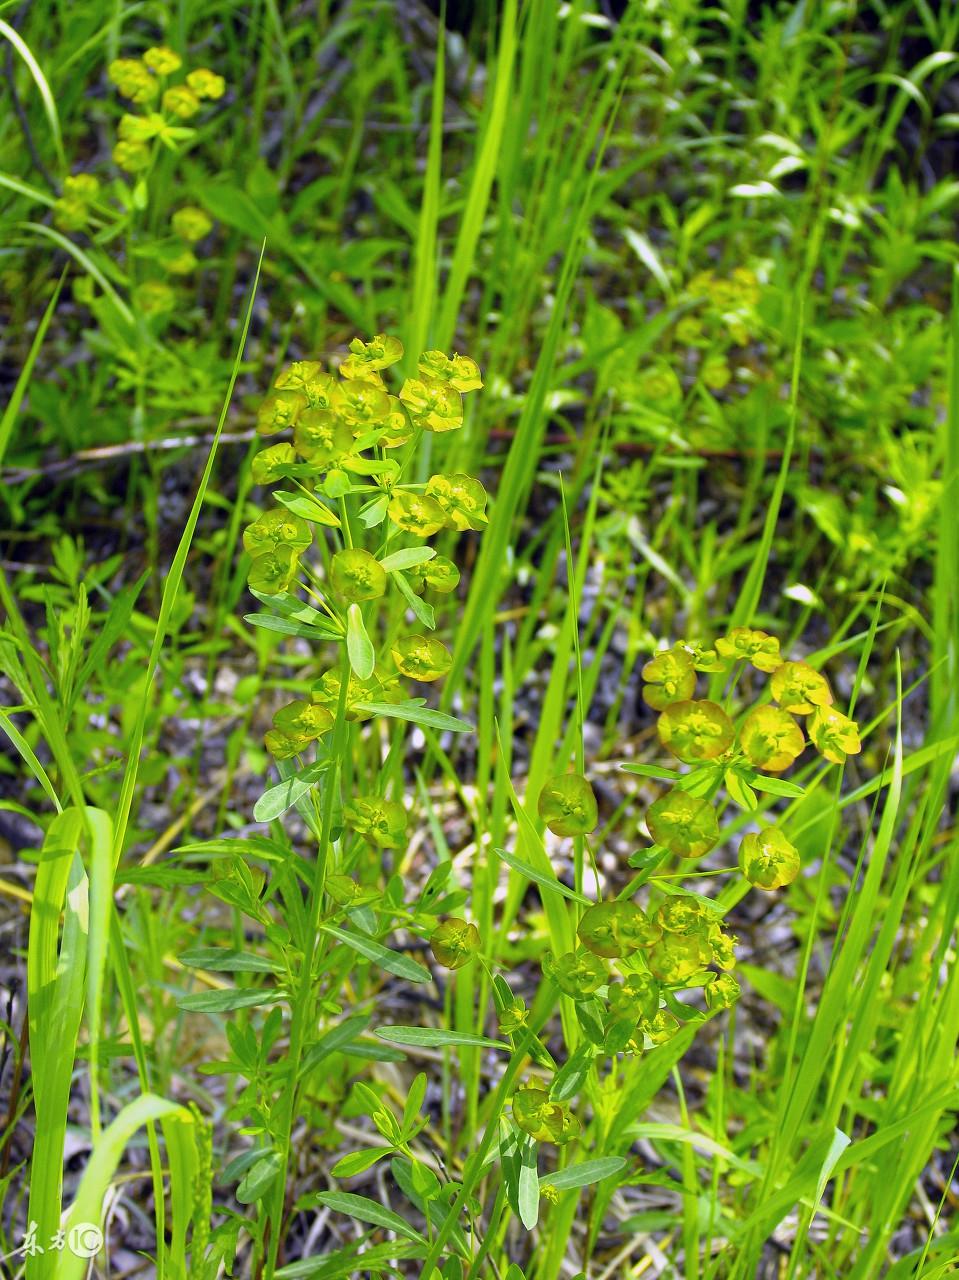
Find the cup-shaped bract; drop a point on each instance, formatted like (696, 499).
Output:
(768, 859)
(180, 101)
(568, 806)
(439, 574)
(355, 575)
(132, 157)
(685, 825)
(460, 372)
(397, 428)
(369, 357)
(191, 223)
(276, 528)
(415, 513)
(206, 83)
(722, 946)
(432, 405)
(301, 719)
(798, 687)
(577, 973)
(163, 60)
(360, 402)
(634, 929)
(378, 688)
(660, 1028)
(743, 644)
(695, 730)
(381, 822)
(721, 992)
(542, 1118)
(134, 80)
(771, 739)
(597, 930)
(272, 573)
(670, 677)
(833, 734)
(677, 956)
(421, 657)
(273, 463)
(455, 942)
(321, 437)
(462, 498)
(282, 747)
(309, 377)
(704, 658)
(637, 996)
(683, 914)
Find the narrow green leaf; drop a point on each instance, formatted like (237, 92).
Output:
(436, 1037)
(23, 379)
(307, 508)
(391, 961)
(553, 886)
(407, 558)
(365, 1210)
(224, 1001)
(584, 1174)
(349, 1166)
(286, 793)
(527, 1187)
(259, 1179)
(358, 644)
(415, 713)
(652, 771)
(224, 960)
(332, 1041)
(421, 610)
(290, 627)
(776, 786)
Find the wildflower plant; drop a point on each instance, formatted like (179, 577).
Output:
(639, 956)
(339, 557)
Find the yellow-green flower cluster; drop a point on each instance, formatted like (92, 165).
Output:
(630, 961)
(147, 83)
(679, 944)
(727, 309)
(340, 464)
(72, 211)
(767, 740)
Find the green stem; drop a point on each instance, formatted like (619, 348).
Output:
(474, 1166)
(300, 1018)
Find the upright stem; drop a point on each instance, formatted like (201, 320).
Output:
(303, 1002)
